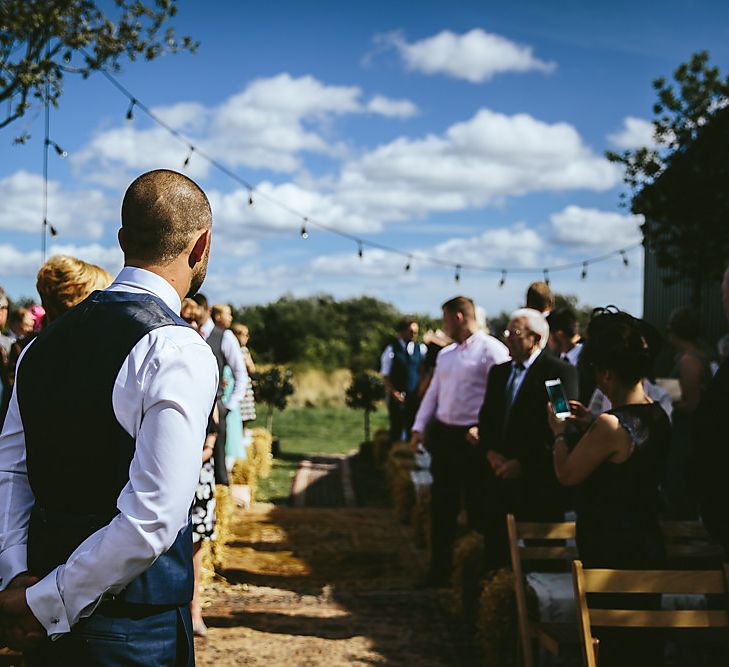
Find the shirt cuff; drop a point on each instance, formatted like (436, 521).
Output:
(13, 561)
(46, 603)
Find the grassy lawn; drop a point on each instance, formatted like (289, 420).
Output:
(310, 430)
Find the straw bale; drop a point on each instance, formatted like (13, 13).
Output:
(421, 519)
(403, 495)
(468, 573)
(259, 452)
(497, 621)
(244, 472)
(223, 517)
(207, 573)
(381, 446)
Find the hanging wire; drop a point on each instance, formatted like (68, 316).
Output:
(359, 241)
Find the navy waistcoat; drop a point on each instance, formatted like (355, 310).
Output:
(405, 371)
(78, 454)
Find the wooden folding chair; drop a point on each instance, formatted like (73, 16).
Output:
(551, 636)
(696, 582)
(688, 544)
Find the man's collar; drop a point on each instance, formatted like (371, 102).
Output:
(532, 358)
(476, 335)
(207, 327)
(133, 276)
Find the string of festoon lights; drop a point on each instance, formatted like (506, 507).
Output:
(307, 223)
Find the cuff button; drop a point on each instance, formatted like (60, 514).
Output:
(55, 621)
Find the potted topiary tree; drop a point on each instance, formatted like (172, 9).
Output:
(363, 394)
(273, 388)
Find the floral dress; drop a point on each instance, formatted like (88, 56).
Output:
(203, 505)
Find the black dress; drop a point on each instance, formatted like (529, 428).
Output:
(618, 505)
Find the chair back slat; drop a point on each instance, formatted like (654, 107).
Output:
(654, 581)
(548, 553)
(546, 531)
(630, 618)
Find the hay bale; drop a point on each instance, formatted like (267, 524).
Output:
(401, 458)
(421, 519)
(468, 574)
(497, 627)
(403, 495)
(259, 452)
(223, 517)
(381, 446)
(207, 573)
(245, 473)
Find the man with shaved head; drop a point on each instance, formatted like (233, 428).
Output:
(100, 453)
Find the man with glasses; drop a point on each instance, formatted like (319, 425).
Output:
(448, 410)
(514, 435)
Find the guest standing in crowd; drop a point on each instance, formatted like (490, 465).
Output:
(694, 371)
(5, 344)
(400, 366)
(248, 402)
(20, 324)
(448, 410)
(709, 457)
(227, 352)
(99, 510)
(514, 435)
(64, 281)
(540, 297)
(617, 468)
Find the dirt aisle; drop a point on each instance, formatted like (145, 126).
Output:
(309, 586)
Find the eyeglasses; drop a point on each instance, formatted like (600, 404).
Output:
(516, 333)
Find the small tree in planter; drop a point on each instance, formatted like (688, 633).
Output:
(273, 388)
(364, 392)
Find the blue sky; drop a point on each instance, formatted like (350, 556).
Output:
(472, 132)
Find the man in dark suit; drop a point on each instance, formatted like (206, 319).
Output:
(709, 459)
(514, 434)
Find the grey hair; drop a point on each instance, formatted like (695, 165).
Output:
(536, 322)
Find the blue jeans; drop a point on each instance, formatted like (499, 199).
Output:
(123, 635)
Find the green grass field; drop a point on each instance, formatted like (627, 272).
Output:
(311, 430)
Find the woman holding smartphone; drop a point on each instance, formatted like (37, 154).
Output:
(616, 467)
(617, 464)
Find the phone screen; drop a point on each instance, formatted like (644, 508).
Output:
(557, 397)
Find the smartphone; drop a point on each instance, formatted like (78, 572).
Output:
(557, 398)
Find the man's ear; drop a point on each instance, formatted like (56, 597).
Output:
(198, 250)
(120, 238)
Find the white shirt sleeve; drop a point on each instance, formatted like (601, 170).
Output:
(162, 397)
(386, 361)
(234, 358)
(16, 496)
(429, 404)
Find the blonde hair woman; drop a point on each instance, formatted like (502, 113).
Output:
(64, 281)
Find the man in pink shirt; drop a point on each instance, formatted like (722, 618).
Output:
(449, 409)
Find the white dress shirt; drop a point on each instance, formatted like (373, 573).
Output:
(389, 354)
(230, 347)
(572, 356)
(162, 397)
(456, 392)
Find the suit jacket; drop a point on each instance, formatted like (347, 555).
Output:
(709, 457)
(524, 433)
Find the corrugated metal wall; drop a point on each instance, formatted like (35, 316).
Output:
(659, 300)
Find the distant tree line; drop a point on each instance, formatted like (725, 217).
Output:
(322, 332)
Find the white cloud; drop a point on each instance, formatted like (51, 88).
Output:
(589, 227)
(393, 108)
(268, 125)
(25, 263)
(81, 213)
(474, 163)
(635, 133)
(475, 56)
